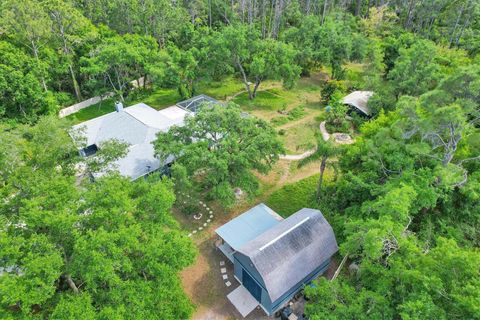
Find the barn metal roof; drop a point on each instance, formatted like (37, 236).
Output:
(291, 250)
(359, 100)
(248, 225)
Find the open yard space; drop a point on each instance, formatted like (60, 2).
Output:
(203, 281)
(295, 113)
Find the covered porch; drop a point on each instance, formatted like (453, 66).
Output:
(225, 249)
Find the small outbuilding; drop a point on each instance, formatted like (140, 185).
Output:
(274, 258)
(359, 101)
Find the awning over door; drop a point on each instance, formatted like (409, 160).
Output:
(243, 301)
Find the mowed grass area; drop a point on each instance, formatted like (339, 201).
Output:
(93, 111)
(293, 197)
(273, 103)
(160, 98)
(220, 90)
(297, 133)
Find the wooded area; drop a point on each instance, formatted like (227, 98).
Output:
(404, 199)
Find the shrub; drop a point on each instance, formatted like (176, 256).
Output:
(278, 121)
(190, 208)
(296, 113)
(331, 87)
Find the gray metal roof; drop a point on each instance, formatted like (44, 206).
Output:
(291, 250)
(136, 125)
(359, 100)
(248, 225)
(193, 104)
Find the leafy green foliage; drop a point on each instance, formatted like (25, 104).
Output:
(401, 186)
(220, 147)
(416, 70)
(405, 206)
(108, 249)
(21, 92)
(120, 60)
(257, 59)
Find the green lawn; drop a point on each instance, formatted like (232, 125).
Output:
(220, 89)
(354, 75)
(93, 111)
(300, 138)
(265, 100)
(161, 98)
(293, 197)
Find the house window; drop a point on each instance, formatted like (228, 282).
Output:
(89, 150)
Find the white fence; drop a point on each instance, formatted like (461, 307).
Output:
(82, 105)
(87, 103)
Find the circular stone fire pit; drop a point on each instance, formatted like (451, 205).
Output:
(342, 138)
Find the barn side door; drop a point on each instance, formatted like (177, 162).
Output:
(251, 285)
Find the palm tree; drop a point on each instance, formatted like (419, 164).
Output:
(323, 151)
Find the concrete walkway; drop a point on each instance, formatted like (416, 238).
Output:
(296, 157)
(323, 130)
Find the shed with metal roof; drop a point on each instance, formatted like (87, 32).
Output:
(359, 101)
(277, 261)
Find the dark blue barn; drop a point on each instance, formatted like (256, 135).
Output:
(274, 258)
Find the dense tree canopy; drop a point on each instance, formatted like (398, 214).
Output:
(77, 44)
(220, 146)
(109, 249)
(406, 196)
(407, 188)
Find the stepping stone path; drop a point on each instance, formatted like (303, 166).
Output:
(199, 216)
(228, 283)
(222, 263)
(223, 270)
(225, 277)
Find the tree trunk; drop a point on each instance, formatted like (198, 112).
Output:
(71, 284)
(323, 164)
(264, 17)
(277, 18)
(358, 5)
(324, 12)
(245, 80)
(76, 87)
(257, 83)
(35, 53)
(210, 13)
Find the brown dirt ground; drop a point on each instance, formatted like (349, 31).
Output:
(203, 281)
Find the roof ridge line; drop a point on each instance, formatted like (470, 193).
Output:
(131, 115)
(283, 234)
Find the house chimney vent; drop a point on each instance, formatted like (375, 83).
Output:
(119, 106)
